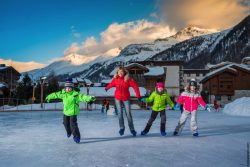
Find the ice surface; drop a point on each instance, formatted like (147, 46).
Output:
(38, 139)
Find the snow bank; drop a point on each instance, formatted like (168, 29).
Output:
(239, 107)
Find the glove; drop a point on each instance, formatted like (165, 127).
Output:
(92, 99)
(47, 99)
(177, 107)
(207, 108)
(142, 99)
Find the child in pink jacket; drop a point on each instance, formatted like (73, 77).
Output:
(190, 100)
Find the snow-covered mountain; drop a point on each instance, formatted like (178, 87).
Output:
(139, 52)
(68, 65)
(99, 67)
(229, 45)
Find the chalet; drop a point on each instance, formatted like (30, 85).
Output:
(9, 77)
(227, 82)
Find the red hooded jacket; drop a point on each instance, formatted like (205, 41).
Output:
(122, 88)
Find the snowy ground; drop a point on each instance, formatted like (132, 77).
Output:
(38, 139)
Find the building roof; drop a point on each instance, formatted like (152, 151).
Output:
(155, 71)
(4, 68)
(213, 66)
(232, 68)
(161, 63)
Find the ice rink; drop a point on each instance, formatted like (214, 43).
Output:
(38, 139)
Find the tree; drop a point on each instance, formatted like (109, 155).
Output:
(24, 89)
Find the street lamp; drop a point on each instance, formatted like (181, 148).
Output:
(33, 93)
(42, 81)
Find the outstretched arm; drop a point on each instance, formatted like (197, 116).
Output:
(201, 101)
(86, 98)
(55, 95)
(169, 101)
(150, 98)
(134, 85)
(110, 85)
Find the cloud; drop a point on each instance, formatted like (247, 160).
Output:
(219, 14)
(22, 66)
(120, 35)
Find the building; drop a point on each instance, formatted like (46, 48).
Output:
(9, 78)
(172, 77)
(148, 73)
(196, 74)
(227, 82)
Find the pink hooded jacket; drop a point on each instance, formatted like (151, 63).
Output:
(191, 101)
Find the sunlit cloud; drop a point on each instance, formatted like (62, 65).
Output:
(216, 14)
(119, 35)
(22, 66)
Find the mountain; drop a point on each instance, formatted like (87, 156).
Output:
(229, 45)
(99, 67)
(139, 52)
(67, 65)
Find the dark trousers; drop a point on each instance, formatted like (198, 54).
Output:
(70, 124)
(153, 117)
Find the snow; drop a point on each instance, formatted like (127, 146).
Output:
(2, 85)
(100, 91)
(106, 81)
(239, 107)
(155, 71)
(29, 139)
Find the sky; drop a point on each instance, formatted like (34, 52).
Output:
(39, 32)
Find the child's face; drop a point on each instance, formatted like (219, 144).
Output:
(160, 90)
(192, 88)
(68, 89)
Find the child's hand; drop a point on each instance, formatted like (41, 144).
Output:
(92, 99)
(177, 107)
(207, 108)
(142, 99)
(47, 99)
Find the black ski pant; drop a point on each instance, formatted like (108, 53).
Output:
(153, 117)
(71, 126)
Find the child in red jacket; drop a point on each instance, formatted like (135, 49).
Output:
(190, 100)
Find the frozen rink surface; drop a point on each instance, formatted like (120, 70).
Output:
(38, 139)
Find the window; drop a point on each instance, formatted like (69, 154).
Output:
(229, 98)
(188, 75)
(197, 74)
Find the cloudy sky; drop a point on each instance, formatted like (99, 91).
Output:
(36, 32)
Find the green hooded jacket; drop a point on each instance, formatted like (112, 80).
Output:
(160, 100)
(70, 100)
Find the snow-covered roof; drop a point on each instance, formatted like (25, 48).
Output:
(100, 91)
(155, 71)
(210, 66)
(106, 81)
(97, 84)
(230, 67)
(3, 68)
(136, 64)
(2, 85)
(80, 80)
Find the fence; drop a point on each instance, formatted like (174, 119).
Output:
(13, 104)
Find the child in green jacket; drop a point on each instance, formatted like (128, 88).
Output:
(160, 99)
(71, 99)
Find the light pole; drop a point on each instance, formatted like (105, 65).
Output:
(33, 93)
(42, 80)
